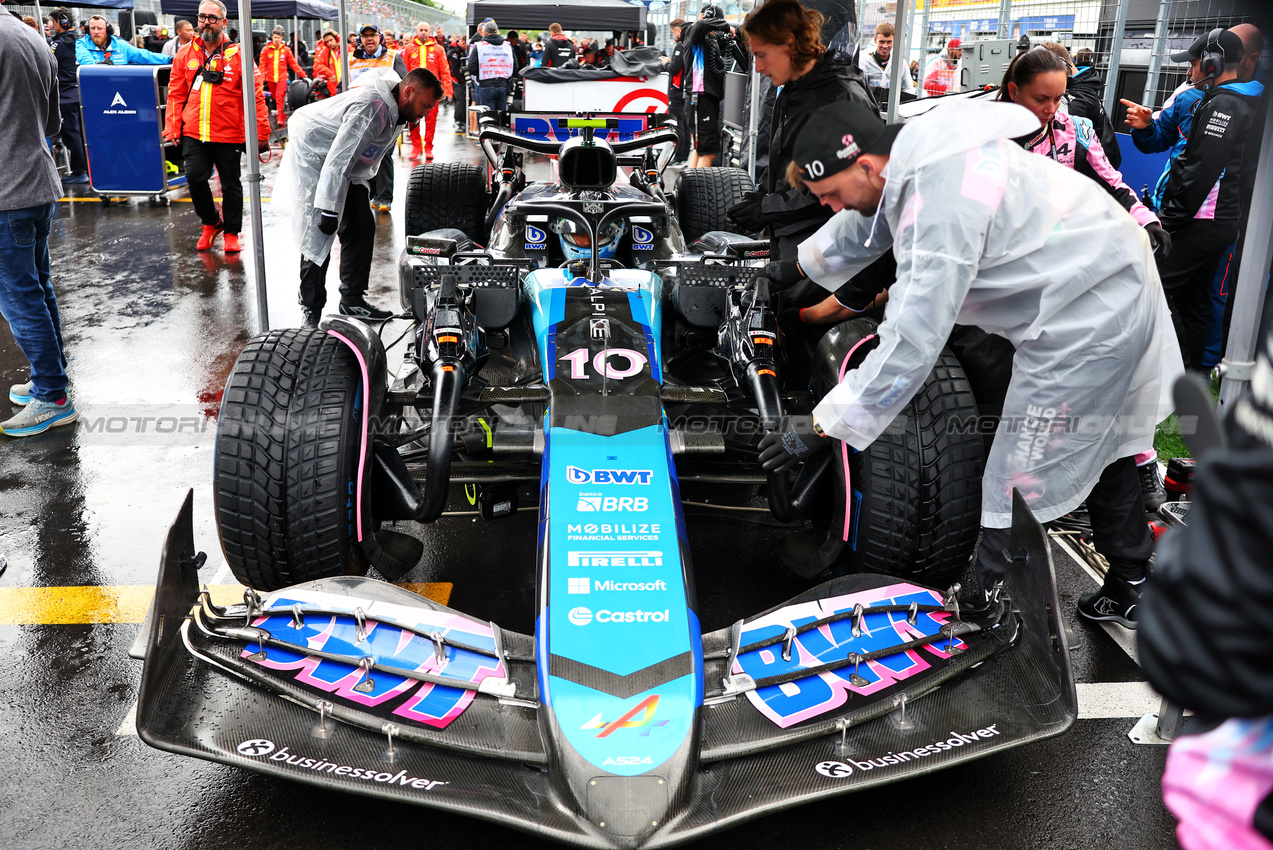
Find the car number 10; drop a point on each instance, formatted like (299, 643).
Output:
(602, 364)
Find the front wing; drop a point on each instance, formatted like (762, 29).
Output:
(202, 695)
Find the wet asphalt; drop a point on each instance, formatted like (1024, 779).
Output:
(152, 328)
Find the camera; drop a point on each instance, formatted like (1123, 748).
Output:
(213, 77)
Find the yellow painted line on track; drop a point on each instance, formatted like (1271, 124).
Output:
(47, 606)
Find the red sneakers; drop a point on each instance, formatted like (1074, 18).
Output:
(209, 233)
(232, 243)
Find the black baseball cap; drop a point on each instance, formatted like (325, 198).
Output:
(1194, 52)
(837, 134)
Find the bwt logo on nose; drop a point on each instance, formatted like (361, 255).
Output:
(575, 475)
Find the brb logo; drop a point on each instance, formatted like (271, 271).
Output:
(591, 503)
(536, 239)
(575, 475)
(642, 239)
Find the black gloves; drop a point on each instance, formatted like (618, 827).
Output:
(1159, 238)
(782, 274)
(747, 213)
(794, 441)
(327, 222)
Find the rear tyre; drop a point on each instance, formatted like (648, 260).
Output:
(449, 194)
(286, 463)
(705, 196)
(917, 488)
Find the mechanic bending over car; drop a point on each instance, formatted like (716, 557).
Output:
(988, 235)
(336, 146)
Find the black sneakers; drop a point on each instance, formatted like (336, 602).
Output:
(1116, 602)
(1151, 486)
(360, 309)
(310, 318)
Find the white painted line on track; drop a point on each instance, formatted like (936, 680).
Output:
(129, 726)
(1104, 700)
(1125, 638)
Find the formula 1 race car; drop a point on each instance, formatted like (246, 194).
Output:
(590, 352)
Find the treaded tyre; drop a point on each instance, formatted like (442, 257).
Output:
(917, 488)
(705, 196)
(287, 460)
(449, 194)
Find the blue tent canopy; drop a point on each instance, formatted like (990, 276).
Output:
(310, 10)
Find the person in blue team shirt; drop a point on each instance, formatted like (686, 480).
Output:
(102, 47)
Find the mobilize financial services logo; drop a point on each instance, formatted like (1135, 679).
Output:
(261, 748)
(582, 616)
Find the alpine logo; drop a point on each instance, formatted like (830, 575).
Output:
(575, 475)
(592, 503)
(642, 239)
(536, 239)
(614, 559)
(640, 716)
(118, 100)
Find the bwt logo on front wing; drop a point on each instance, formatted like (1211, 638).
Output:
(575, 475)
(614, 559)
(593, 502)
(582, 616)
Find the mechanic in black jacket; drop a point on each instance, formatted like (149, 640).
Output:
(709, 43)
(63, 43)
(557, 49)
(456, 55)
(1084, 91)
(1206, 627)
(785, 39)
(1201, 200)
(676, 91)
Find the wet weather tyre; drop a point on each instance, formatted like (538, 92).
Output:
(917, 488)
(450, 194)
(287, 460)
(705, 196)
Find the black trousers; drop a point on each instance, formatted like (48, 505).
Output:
(384, 177)
(201, 158)
(1186, 275)
(676, 106)
(1119, 530)
(357, 234)
(73, 137)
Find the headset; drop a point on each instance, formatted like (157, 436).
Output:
(1213, 56)
(110, 28)
(63, 19)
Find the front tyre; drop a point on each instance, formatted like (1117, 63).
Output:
(705, 196)
(287, 460)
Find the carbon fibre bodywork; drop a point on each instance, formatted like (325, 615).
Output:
(205, 693)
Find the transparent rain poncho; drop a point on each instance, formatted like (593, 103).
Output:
(988, 234)
(331, 144)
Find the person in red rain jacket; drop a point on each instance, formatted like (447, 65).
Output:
(327, 63)
(205, 116)
(425, 52)
(276, 58)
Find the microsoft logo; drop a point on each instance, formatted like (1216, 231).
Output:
(579, 585)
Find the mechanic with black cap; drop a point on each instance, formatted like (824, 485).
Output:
(709, 41)
(990, 235)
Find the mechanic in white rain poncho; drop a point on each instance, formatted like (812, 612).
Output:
(987, 234)
(334, 149)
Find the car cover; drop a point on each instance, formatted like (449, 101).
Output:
(988, 234)
(331, 144)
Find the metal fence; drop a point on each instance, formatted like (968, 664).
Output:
(1129, 42)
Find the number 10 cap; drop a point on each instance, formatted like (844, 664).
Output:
(836, 135)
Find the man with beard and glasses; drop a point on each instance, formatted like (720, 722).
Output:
(102, 47)
(205, 116)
